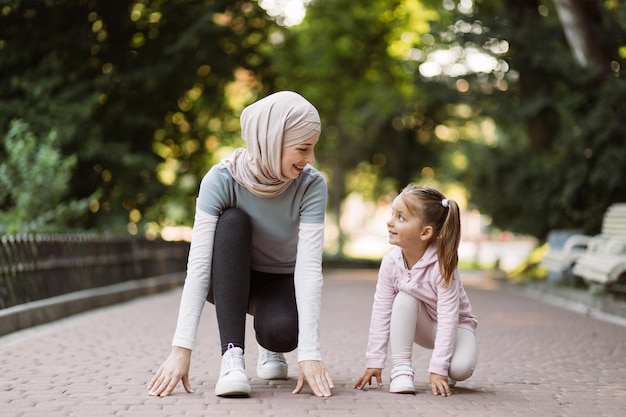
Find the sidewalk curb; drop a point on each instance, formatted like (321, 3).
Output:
(44, 311)
(581, 302)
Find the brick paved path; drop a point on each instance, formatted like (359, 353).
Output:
(535, 359)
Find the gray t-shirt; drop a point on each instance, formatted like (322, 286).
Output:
(275, 220)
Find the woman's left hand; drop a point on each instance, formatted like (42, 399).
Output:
(439, 385)
(316, 374)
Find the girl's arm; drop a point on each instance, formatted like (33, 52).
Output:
(447, 325)
(381, 317)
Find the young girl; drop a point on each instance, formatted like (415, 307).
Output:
(256, 248)
(419, 296)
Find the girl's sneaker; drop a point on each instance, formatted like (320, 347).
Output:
(233, 381)
(402, 379)
(271, 365)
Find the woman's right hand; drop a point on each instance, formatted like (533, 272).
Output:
(174, 369)
(366, 378)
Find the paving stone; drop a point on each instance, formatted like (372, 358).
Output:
(535, 359)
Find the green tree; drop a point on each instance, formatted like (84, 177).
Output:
(34, 181)
(558, 154)
(136, 90)
(350, 60)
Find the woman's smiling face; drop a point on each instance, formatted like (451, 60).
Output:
(295, 158)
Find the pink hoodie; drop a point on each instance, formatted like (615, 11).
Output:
(448, 306)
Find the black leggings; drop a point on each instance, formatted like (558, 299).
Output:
(237, 290)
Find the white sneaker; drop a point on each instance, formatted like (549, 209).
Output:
(451, 382)
(233, 381)
(402, 379)
(271, 365)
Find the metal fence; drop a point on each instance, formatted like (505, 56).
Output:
(34, 267)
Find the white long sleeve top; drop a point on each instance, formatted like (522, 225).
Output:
(287, 237)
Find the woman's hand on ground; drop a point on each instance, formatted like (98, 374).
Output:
(366, 378)
(174, 369)
(316, 374)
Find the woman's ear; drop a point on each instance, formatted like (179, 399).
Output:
(427, 233)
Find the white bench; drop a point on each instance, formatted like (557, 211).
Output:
(604, 266)
(562, 261)
(604, 263)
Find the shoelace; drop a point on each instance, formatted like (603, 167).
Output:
(231, 361)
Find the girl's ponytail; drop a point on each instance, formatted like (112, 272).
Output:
(448, 240)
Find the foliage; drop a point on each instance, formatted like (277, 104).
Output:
(34, 182)
(377, 132)
(559, 153)
(136, 90)
(146, 96)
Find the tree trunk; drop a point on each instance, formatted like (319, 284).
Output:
(576, 17)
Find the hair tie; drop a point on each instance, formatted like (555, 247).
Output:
(444, 202)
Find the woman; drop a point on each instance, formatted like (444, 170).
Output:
(257, 248)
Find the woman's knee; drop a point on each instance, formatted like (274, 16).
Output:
(230, 265)
(233, 223)
(233, 241)
(279, 334)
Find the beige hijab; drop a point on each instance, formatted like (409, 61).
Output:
(279, 120)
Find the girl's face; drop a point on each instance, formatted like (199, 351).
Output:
(405, 229)
(295, 158)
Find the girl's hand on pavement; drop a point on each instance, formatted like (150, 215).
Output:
(439, 385)
(366, 378)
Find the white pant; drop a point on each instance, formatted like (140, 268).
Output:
(410, 323)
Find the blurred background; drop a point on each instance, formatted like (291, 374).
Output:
(112, 111)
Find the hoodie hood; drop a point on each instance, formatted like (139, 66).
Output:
(428, 259)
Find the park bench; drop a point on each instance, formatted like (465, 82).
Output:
(603, 264)
(604, 267)
(562, 261)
